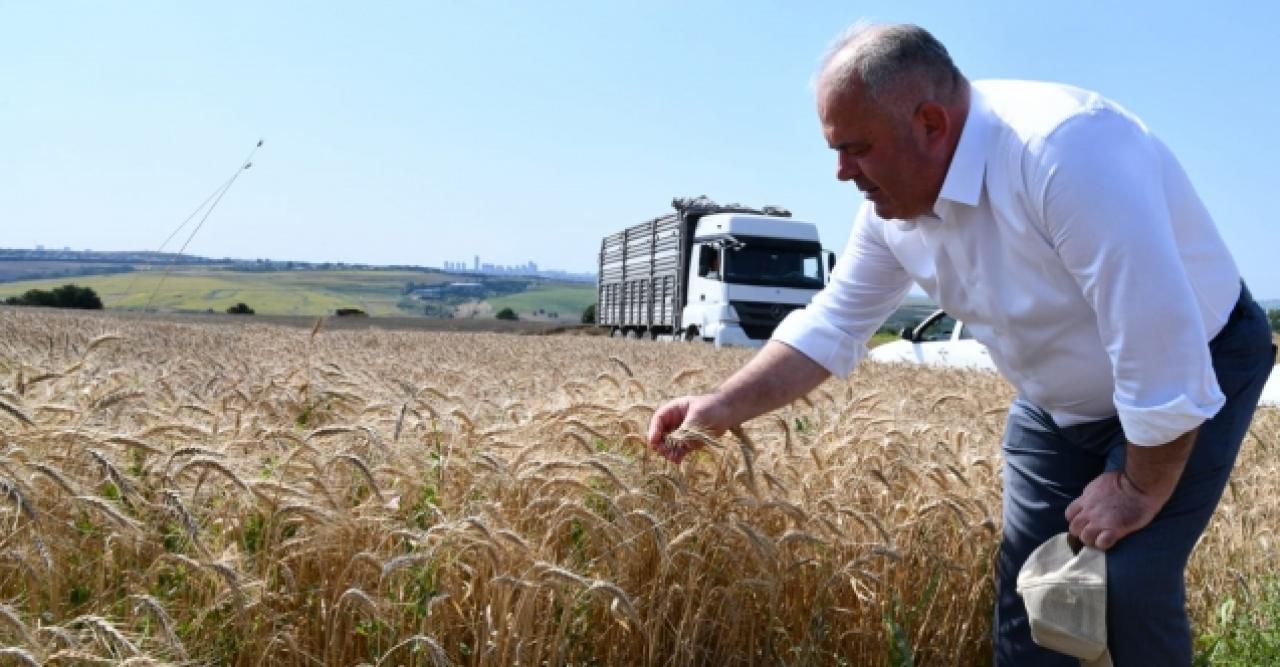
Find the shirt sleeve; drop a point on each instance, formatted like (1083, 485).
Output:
(867, 285)
(1102, 202)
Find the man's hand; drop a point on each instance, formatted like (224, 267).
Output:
(1110, 508)
(774, 377)
(1120, 502)
(704, 413)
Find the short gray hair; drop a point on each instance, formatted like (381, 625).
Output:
(885, 57)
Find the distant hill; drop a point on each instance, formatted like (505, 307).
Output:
(315, 291)
(22, 264)
(198, 289)
(11, 271)
(128, 280)
(558, 301)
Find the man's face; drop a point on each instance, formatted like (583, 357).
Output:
(889, 154)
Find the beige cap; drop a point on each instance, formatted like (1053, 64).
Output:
(1065, 592)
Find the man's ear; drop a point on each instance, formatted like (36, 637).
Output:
(932, 121)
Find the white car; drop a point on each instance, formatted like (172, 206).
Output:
(940, 340)
(1271, 390)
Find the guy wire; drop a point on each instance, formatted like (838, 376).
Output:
(129, 289)
(215, 197)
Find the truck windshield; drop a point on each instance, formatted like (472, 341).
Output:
(775, 263)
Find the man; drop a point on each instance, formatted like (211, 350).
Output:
(1069, 240)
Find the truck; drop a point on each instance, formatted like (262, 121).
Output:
(727, 274)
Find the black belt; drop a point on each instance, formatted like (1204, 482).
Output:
(1241, 308)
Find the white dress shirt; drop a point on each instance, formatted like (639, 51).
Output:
(1071, 243)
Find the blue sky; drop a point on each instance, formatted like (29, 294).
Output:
(423, 132)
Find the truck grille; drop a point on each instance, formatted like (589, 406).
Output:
(759, 319)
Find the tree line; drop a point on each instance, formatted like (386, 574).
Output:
(67, 296)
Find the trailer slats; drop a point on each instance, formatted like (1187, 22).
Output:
(643, 269)
(640, 275)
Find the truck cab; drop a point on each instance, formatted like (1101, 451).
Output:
(747, 273)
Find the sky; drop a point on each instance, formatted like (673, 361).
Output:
(424, 132)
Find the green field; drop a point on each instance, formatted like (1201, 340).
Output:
(269, 293)
(882, 338)
(567, 300)
(313, 292)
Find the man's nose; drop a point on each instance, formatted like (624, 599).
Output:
(847, 168)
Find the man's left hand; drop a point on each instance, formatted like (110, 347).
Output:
(1110, 508)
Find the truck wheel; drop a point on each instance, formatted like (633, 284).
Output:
(689, 335)
(632, 334)
(616, 333)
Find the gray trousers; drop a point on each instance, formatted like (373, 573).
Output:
(1047, 467)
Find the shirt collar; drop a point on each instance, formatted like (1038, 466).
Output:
(963, 184)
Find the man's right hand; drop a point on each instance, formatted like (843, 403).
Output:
(774, 377)
(706, 413)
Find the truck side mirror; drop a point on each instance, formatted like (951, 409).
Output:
(907, 333)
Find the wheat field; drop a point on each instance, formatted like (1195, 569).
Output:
(258, 495)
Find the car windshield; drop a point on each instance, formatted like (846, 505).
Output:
(775, 263)
(939, 329)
